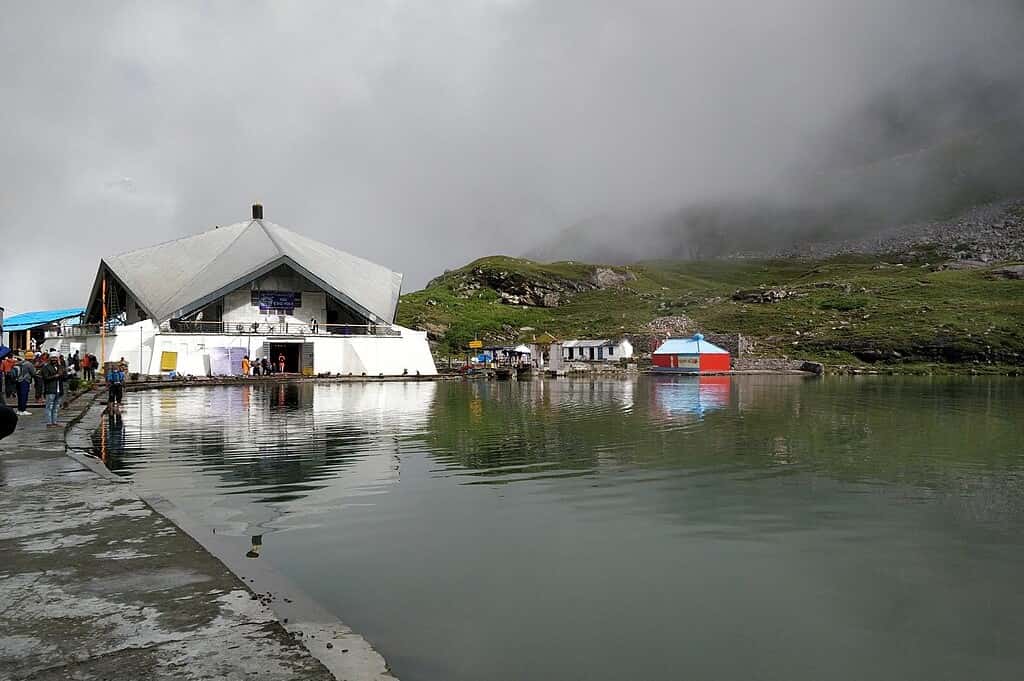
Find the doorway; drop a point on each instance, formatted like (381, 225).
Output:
(292, 355)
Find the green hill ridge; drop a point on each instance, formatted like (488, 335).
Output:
(900, 314)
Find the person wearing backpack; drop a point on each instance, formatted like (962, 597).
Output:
(24, 373)
(53, 386)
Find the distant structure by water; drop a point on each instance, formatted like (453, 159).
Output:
(690, 356)
(600, 350)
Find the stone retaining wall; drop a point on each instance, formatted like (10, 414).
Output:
(769, 364)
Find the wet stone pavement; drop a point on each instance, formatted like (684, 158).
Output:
(96, 585)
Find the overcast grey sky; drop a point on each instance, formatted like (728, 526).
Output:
(422, 134)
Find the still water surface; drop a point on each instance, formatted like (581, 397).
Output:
(755, 527)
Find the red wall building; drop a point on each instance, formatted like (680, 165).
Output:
(690, 356)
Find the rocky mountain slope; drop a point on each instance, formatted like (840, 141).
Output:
(946, 177)
(981, 235)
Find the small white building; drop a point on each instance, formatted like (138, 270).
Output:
(601, 350)
(198, 304)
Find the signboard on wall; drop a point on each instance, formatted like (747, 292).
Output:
(168, 361)
(688, 361)
(277, 302)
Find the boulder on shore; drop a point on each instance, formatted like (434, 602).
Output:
(1008, 272)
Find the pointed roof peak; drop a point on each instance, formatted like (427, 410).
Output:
(168, 278)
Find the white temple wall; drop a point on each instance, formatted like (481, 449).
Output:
(355, 355)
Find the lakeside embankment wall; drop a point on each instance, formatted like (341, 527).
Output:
(96, 582)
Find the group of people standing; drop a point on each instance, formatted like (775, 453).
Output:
(46, 371)
(263, 366)
(50, 372)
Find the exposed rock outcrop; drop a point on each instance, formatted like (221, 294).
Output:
(762, 295)
(521, 287)
(675, 326)
(1008, 272)
(435, 332)
(606, 277)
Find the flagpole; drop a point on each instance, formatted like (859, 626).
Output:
(103, 330)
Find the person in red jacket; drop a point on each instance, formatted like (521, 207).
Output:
(280, 363)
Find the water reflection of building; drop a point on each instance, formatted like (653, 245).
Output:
(271, 445)
(682, 397)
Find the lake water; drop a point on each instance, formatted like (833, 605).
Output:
(723, 528)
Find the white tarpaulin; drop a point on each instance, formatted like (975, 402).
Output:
(220, 362)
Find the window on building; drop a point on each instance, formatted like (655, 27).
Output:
(611, 350)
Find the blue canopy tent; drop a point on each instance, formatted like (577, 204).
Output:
(21, 326)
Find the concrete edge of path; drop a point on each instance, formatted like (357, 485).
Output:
(346, 654)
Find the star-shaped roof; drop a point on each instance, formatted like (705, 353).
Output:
(172, 279)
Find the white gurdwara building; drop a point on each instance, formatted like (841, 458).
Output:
(196, 305)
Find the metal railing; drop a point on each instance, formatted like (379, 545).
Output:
(82, 330)
(257, 328)
(264, 328)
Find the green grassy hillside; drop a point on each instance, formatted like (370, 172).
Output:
(839, 311)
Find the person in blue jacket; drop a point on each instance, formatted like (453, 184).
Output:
(115, 384)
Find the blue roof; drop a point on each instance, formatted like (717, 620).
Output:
(30, 320)
(689, 346)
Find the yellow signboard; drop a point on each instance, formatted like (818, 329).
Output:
(475, 344)
(168, 361)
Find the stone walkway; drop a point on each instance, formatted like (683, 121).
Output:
(95, 585)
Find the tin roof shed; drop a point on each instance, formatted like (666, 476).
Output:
(689, 346)
(690, 355)
(31, 320)
(598, 343)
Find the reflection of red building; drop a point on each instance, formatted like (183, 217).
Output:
(690, 356)
(696, 396)
(714, 390)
